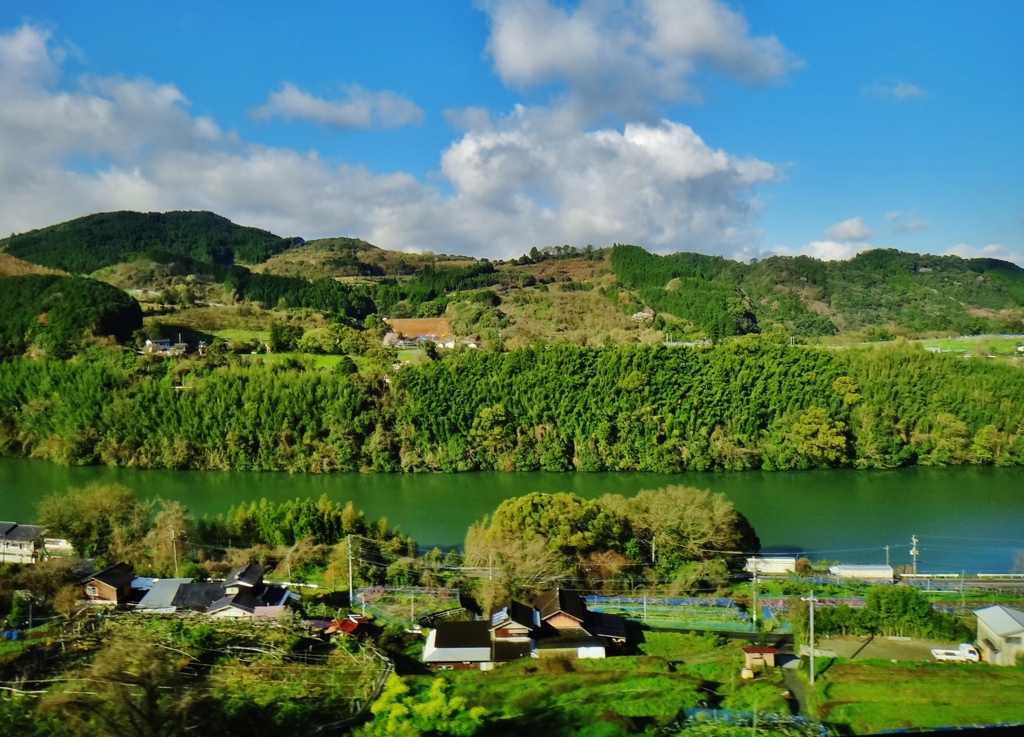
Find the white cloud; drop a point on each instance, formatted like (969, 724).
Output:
(994, 250)
(906, 222)
(912, 226)
(895, 90)
(359, 108)
(826, 250)
(625, 56)
(516, 181)
(853, 230)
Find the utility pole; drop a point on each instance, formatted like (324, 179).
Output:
(349, 545)
(174, 546)
(755, 594)
(963, 573)
(914, 551)
(811, 601)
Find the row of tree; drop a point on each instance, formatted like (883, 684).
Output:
(749, 403)
(890, 611)
(678, 538)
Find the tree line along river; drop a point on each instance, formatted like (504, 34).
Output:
(966, 518)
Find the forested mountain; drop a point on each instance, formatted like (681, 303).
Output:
(54, 312)
(86, 244)
(804, 296)
(748, 403)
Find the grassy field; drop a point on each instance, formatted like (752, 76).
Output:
(865, 698)
(619, 695)
(977, 345)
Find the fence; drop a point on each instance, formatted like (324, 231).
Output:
(406, 605)
(677, 612)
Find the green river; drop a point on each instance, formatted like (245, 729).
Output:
(966, 518)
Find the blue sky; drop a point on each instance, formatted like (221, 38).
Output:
(735, 128)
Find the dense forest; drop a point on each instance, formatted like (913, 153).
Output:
(749, 403)
(804, 296)
(86, 244)
(324, 295)
(54, 313)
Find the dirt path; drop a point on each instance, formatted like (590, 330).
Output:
(796, 688)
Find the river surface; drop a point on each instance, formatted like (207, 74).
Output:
(966, 518)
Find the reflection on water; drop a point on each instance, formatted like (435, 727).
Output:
(966, 518)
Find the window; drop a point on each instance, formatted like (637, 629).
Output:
(92, 591)
(1013, 640)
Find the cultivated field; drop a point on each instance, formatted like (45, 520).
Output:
(415, 327)
(863, 697)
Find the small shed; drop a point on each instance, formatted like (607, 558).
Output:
(771, 566)
(1000, 634)
(757, 657)
(863, 573)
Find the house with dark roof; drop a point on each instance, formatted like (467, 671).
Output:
(20, 543)
(558, 625)
(459, 646)
(197, 597)
(159, 599)
(111, 585)
(247, 576)
(242, 594)
(1000, 634)
(561, 609)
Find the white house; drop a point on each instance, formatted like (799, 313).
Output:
(863, 573)
(771, 566)
(1000, 634)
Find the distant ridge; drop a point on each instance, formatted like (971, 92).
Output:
(86, 244)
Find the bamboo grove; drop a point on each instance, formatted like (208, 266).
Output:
(747, 403)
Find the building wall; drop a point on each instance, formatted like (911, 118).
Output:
(17, 552)
(105, 593)
(561, 620)
(514, 632)
(230, 613)
(1008, 651)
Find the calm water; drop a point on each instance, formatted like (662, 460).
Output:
(966, 518)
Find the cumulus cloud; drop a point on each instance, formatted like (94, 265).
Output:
(852, 230)
(515, 181)
(359, 108)
(625, 56)
(895, 90)
(994, 250)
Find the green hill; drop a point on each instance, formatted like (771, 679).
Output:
(54, 312)
(804, 296)
(87, 244)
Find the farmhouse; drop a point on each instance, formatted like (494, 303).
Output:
(1000, 634)
(558, 625)
(110, 586)
(20, 542)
